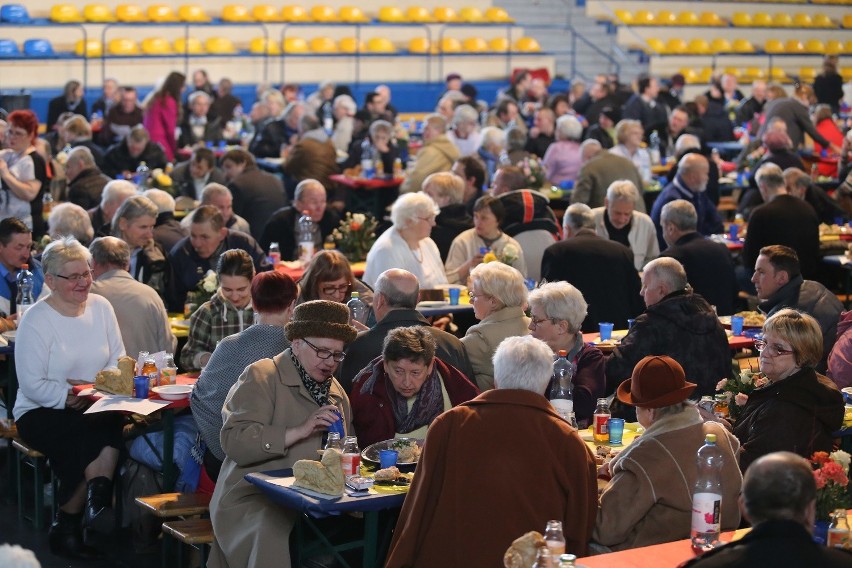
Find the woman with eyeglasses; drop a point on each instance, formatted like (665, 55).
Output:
(557, 310)
(229, 311)
(278, 412)
(329, 277)
(62, 341)
(798, 409)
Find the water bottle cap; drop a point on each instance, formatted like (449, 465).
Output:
(25, 266)
(563, 353)
(355, 295)
(710, 438)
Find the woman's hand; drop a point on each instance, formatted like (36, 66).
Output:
(75, 402)
(320, 420)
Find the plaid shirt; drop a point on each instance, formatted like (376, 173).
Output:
(211, 323)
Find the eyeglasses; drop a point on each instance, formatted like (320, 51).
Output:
(772, 350)
(473, 296)
(534, 322)
(342, 289)
(323, 353)
(82, 277)
(15, 132)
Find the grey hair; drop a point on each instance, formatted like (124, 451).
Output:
(381, 126)
(273, 96)
(117, 190)
(778, 486)
(305, 185)
(63, 250)
(409, 206)
(70, 219)
(622, 190)
(346, 102)
(799, 178)
(133, 208)
(523, 363)
(395, 297)
(212, 190)
(770, 175)
(516, 139)
(568, 128)
(680, 213)
(307, 122)
(561, 301)
(465, 113)
(670, 272)
(15, 556)
(81, 155)
(687, 142)
(590, 148)
(110, 251)
(502, 282)
(446, 184)
(165, 203)
(578, 216)
(491, 135)
(195, 95)
(290, 109)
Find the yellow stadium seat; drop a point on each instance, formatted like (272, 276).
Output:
(711, 19)
(418, 14)
(698, 46)
(655, 45)
(822, 21)
(122, 46)
(814, 46)
(807, 74)
(762, 20)
(351, 45)
(294, 13)
(774, 46)
(676, 45)
(753, 73)
(156, 46)
(98, 13)
(475, 45)
(65, 14)
(471, 14)
(295, 45)
(782, 20)
(380, 45)
(445, 14)
(130, 13)
(735, 71)
(418, 45)
(352, 14)
(391, 14)
(687, 18)
(499, 44)
(665, 18)
(833, 47)
(777, 74)
(847, 48)
(323, 44)
(794, 46)
(802, 20)
(847, 21)
(190, 46)
(323, 13)
(527, 44)
(624, 16)
(263, 45)
(161, 13)
(742, 45)
(219, 45)
(644, 18)
(450, 45)
(690, 75)
(266, 13)
(89, 48)
(846, 73)
(720, 45)
(192, 13)
(706, 74)
(498, 15)
(236, 13)
(741, 19)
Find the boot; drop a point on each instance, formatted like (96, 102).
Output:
(66, 538)
(100, 516)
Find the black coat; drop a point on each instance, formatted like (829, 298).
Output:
(212, 132)
(281, 229)
(270, 136)
(603, 271)
(257, 195)
(716, 125)
(709, 269)
(450, 223)
(182, 179)
(118, 160)
(87, 187)
(58, 105)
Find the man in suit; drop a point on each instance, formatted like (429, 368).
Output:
(601, 269)
(643, 105)
(394, 302)
(709, 266)
(200, 126)
(601, 168)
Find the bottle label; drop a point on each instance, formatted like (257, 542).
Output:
(556, 548)
(351, 464)
(706, 513)
(601, 424)
(168, 376)
(837, 536)
(275, 258)
(306, 251)
(562, 406)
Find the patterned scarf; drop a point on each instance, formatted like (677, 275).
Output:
(319, 391)
(428, 405)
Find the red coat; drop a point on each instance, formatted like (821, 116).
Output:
(372, 413)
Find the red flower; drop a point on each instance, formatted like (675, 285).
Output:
(355, 226)
(820, 480)
(833, 471)
(820, 458)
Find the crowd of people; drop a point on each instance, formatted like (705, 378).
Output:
(280, 360)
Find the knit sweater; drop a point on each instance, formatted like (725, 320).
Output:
(212, 322)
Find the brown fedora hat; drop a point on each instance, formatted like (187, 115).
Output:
(657, 381)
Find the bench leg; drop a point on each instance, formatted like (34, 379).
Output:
(19, 482)
(38, 475)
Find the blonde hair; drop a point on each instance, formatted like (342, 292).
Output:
(801, 331)
(502, 282)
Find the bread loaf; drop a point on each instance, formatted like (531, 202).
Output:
(117, 381)
(523, 551)
(325, 476)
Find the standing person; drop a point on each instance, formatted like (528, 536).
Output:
(162, 114)
(20, 182)
(828, 85)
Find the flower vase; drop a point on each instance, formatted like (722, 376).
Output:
(821, 531)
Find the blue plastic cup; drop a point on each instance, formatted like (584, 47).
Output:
(615, 427)
(839, 221)
(605, 330)
(734, 230)
(455, 293)
(630, 323)
(737, 325)
(140, 386)
(387, 458)
(337, 426)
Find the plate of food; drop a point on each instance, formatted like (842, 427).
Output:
(409, 452)
(392, 480)
(750, 319)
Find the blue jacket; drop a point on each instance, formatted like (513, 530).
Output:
(709, 222)
(38, 277)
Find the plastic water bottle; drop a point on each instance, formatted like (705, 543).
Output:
(351, 456)
(357, 308)
(141, 176)
(334, 442)
(306, 230)
(274, 254)
(707, 496)
(555, 539)
(25, 298)
(327, 118)
(654, 148)
(367, 164)
(168, 374)
(562, 392)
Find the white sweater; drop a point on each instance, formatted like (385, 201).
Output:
(391, 251)
(642, 236)
(51, 348)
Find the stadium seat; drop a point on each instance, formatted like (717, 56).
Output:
(527, 44)
(98, 13)
(778, 74)
(676, 45)
(8, 48)
(833, 47)
(391, 14)
(690, 75)
(192, 13)
(418, 45)
(720, 45)
(89, 48)
(219, 45)
(475, 45)
(156, 46)
(293, 13)
(814, 46)
(236, 13)
(846, 73)
(38, 48)
(774, 46)
(190, 46)
(802, 20)
(741, 19)
(500, 44)
(323, 13)
(130, 13)
(351, 45)
(847, 21)
(762, 20)
(261, 45)
(665, 18)
(644, 18)
(782, 20)
(807, 74)
(161, 13)
(753, 73)
(711, 19)
(624, 17)
(823, 21)
(742, 45)
(705, 74)
(322, 44)
(847, 48)
(450, 45)
(688, 18)
(352, 14)
(65, 14)
(471, 14)
(794, 46)
(380, 45)
(295, 45)
(445, 14)
(655, 45)
(698, 46)
(122, 46)
(735, 71)
(498, 15)
(418, 14)
(266, 13)
(14, 14)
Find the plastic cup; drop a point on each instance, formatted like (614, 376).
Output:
(615, 427)
(734, 230)
(839, 221)
(737, 325)
(605, 330)
(630, 323)
(454, 296)
(337, 426)
(140, 386)
(387, 458)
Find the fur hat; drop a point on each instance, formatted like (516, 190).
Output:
(656, 382)
(320, 318)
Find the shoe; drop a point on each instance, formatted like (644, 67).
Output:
(66, 538)
(99, 515)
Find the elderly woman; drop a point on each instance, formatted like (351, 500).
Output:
(273, 296)
(628, 135)
(557, 310)
(407, 244)
(499, 296)
(70, 219)
(329, 277)
(381, 137)
(78, 132)
(797, 409)
(492, 145)
(62, 341)
(447, 190)
(277, 413)
(229, 311)
(466, 250)
(22, 170)
(401, 392)
(649, 498)
(134, 223)
(562, 160)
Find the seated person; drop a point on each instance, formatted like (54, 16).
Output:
(86, 182)
(447, 190)
(281, 228)
(121, 117)
(192, 176)
(167, 229)
(16, 243)
(329, 277)
(400, 393)
(122, 158)
(134, 224)
(114, 194)
(643, 504)
(199, 126)
(220, 197)
(67, 219)
(840, 359)
(229, 311)
(618, 221)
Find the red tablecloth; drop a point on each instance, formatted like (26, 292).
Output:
(666, 555)
(185, 379)
(363, 183)
(296, 273)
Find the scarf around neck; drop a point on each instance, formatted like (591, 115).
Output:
(427, 406)
(319, 391)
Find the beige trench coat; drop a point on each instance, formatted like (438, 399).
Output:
(269, 397)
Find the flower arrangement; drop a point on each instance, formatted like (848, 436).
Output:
(160, 180)
(738, 389)
(355, 235)
(508, 255)
(831, 473)
(206, 287)
(534, 172)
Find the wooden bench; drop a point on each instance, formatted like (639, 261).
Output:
(176, 507)
(170, 505)
(197, 533)
(26, 455)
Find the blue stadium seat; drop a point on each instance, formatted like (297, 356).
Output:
(9, 48)
(15, 14)
(37, 48)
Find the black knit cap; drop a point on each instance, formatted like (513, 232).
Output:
(320, 318)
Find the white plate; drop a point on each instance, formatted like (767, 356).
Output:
(433, 304)
(9, 335)
(179, 323)
(173, 392)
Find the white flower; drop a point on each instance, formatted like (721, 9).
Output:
(842, 458)
(746, 376)
(359, 218)
(210, 282)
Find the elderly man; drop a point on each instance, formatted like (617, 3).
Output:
(278, 133)
(220, 197)
(465, 455)
(200, 126)
(121, 118)
(70, 219)
(140, 311)
(543, 132)
(708, 264)
(492, 146)
(436, 155)
(752, 106)
(799, 184)
(779, 500)
(395, 298)
(690, 184)
(113, 195)
(465, 131)
(779, 284)
(343, 109)
(256, 194)
(447, 191)
(678, 124)
(782, 220)
(599, 170)
(190, 177)
(448, 103)
(283, 225)
(618, 221)
(122, 158)
(198, 253)
(691, 144)
(601, 269)
(85, 180)
(16, 243)
(643, 105)
(167, 229)
(676, 323)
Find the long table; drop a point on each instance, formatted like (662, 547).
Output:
(735, 342)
